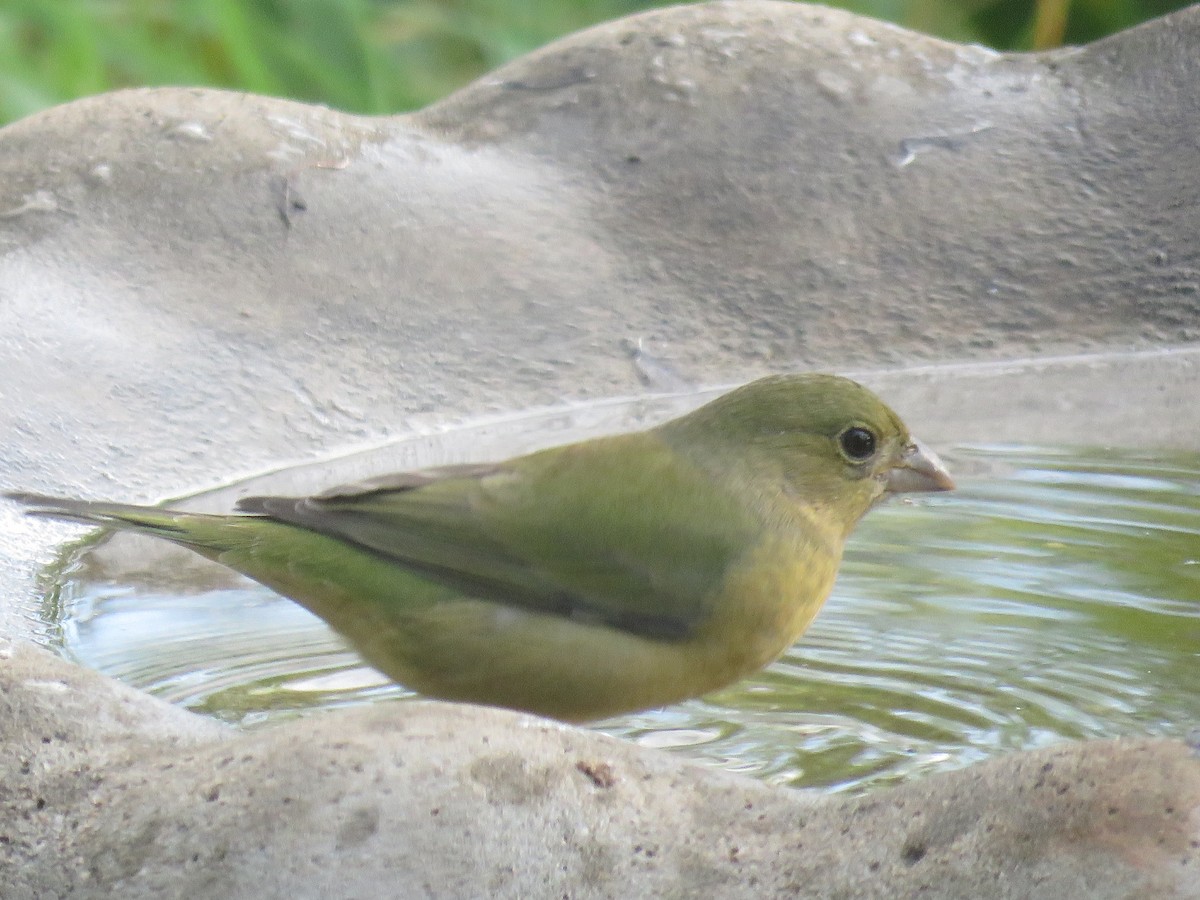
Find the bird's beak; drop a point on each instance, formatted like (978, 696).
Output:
(919, 469)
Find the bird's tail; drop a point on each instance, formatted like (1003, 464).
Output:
(172, 525)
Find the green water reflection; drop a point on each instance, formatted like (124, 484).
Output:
(1055, 596)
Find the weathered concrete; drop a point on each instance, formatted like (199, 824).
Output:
(442, 800)
(196, 285)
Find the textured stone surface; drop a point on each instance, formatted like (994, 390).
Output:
(196, 285)
(441, 800)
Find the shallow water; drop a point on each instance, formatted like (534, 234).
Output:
(1055, 595)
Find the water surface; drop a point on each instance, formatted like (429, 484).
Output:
(1054, 596)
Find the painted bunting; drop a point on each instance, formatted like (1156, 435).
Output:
(586, 580)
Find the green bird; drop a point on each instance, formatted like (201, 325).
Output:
(596, 578)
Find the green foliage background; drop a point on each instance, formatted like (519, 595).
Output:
(382, 56)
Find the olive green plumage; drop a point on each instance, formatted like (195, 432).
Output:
(586, 580)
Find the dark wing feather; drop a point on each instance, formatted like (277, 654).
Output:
(398, 481)
(579, 541)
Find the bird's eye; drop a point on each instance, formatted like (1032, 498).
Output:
(857, 443)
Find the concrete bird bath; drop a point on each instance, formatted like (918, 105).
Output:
(198, 285)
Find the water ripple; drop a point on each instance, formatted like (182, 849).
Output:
(1054, 596)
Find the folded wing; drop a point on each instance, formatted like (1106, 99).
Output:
(613, 532)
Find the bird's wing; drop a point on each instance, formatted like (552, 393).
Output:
(620, 532)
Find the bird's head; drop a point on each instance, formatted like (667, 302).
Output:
(825, 440)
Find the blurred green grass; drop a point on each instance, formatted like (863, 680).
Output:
(383, 56)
